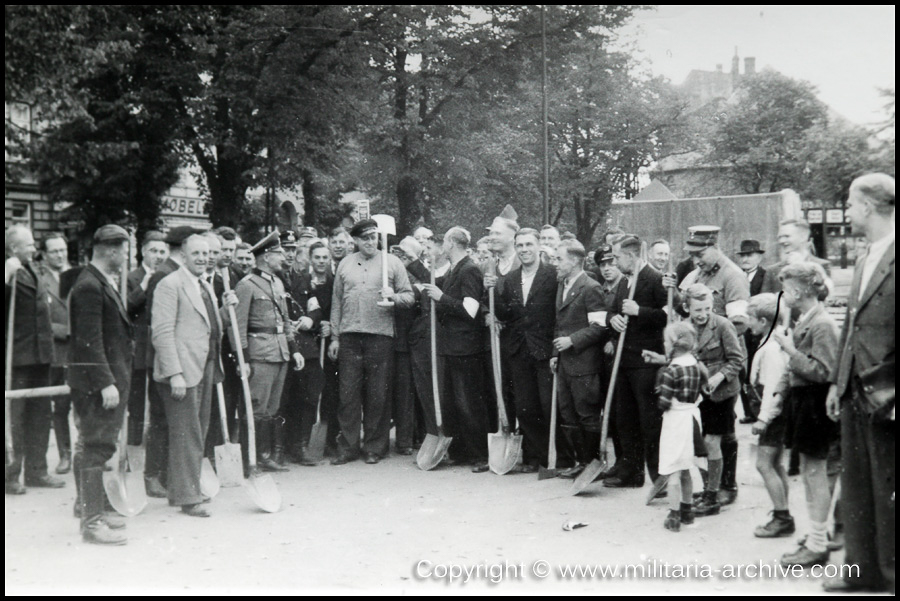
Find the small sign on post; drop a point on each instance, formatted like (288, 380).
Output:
(834, 216)
(814, 216)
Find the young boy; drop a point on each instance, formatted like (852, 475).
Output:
(769, 365)
(719, 349)
(679, 386)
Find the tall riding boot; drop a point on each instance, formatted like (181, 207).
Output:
(278, 440)
(264, 429)
(591, 445)
(94, 528)
(574, 437)
(728, 487)
(245, 446)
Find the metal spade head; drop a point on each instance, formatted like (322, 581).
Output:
(503, 451)
(264, 492)
(432, 451)
(386, 224)
(228, 464)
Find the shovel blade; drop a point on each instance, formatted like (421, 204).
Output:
(317, 439)
(228, 464)
(209, 482)
(545, 473)
(586, 477)
(263, 492)
(432, 451)
(503, 451)
(137, 457)
(125, 491)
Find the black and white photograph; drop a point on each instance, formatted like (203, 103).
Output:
(449, 299)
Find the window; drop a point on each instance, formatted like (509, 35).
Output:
(21, 214)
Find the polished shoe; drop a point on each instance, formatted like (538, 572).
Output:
(572, 472)
(707, 505)
(727, 496)
(65, 464)
(343, 458)
(748, 420)
(15, 488)
(776, 528)
(372, 458)
(405, 451)
(805, 558)
(673, 521)
(619, 482)
(481, 468)
(44, 481)
(154, 488)
(195, 511)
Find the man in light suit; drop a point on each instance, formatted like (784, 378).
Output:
(862, 393)
(576, 356)
(187, 335)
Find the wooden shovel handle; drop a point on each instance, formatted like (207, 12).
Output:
(10, 334)
(245, 386)
(495, 358)
(435, 385)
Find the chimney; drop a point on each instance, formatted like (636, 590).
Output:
(749, 66)
(735, 69)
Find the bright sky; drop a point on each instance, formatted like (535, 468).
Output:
(847, 52)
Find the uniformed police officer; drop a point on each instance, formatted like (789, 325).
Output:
(267, 340)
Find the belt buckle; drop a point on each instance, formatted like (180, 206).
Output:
(279, 329)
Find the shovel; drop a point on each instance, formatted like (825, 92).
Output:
(545, 473)
(137, 454)
(318, 436)
(386, 226)
(124, 487)
(261, 487)
(228, 454)
(596, 467)
(434, 448)
(503, 445)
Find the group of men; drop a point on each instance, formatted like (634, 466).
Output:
(323, 331)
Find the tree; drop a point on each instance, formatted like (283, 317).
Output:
(760, 137)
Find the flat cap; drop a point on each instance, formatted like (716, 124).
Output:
(270, 243)
(363, 227)
(110, 234)
(702, 236)
(410, 247)
(177, 235)
(154, 236)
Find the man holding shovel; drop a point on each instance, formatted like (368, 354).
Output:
(576, 356)
(362, 332)
(100, 364)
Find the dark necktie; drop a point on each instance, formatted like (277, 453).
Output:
(214, 335)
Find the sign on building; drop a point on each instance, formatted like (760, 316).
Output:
(814, 216)
(834, 216)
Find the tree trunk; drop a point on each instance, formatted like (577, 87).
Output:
(407, 203)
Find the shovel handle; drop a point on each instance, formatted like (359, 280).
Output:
(223, 419)
(322, 365)
(495, 360)
(435, 387)
(245, 386)
(551, 453)
(610, 391)
(10, 334)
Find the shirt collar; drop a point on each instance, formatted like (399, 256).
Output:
(880, 246)
(685, 360)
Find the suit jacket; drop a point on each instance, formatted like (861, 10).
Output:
(102, 337)
(459, 334)
(409, 327)
(585, 296)
(33, 336)
(645, 330)
(312, 303)
(756, 283)
(59, 316)
(181, 329)
(720, 350)
(867, 340)
(529, 323)
(166, 267)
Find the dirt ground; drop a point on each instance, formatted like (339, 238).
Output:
(391, 528)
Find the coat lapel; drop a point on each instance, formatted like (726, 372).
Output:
(881, 272)
(574, 290)
(801, 329)
(110, 291)
(708, 332)
(542, 274)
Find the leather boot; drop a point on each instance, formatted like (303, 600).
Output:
(76, 471)
(264, 428)
(575, 438)
(94, 528)
(591, 445)
(304, 458)
(63, 443)
(278, 440)
(245, 446)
